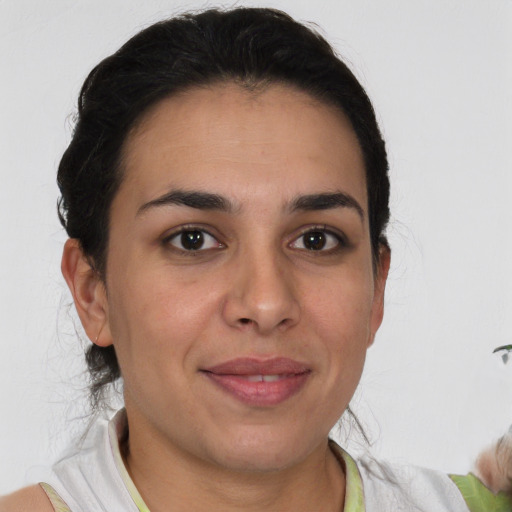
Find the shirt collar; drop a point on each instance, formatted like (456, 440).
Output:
(354, 496)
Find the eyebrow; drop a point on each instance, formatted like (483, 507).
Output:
(209, 201)
(326, 201)
(192, 199)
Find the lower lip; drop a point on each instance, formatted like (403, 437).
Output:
(260, 394)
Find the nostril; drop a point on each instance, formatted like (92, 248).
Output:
(245, 321)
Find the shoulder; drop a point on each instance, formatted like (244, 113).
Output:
(31, 499)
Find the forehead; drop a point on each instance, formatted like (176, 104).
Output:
(277, 140)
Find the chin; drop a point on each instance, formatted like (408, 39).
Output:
(263, 452)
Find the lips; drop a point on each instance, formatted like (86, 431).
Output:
(259, 382)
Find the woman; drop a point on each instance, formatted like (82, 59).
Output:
(226, 198)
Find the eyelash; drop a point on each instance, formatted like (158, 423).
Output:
(339, 240)
(167, 241)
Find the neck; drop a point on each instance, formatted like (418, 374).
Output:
(163, 475)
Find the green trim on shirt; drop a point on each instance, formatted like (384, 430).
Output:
(354, 495)
(117, 429)
(478, 497)
(57, 502)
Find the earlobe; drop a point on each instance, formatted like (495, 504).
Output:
(380, 279)
(88, 292)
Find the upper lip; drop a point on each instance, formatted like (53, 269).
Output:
(255, 366)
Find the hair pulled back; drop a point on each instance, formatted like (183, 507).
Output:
(250, 46)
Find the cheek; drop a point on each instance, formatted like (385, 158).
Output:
(154, 314)
(340, 315)
(341, 306)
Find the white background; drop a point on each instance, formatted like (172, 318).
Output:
(440, 75)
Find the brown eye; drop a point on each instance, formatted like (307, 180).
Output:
(314, 241)
(193, 240)
(317, 240)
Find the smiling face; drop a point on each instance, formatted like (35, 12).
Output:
(240, 293)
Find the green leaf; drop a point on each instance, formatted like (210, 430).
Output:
(479, 498)
(503, 347)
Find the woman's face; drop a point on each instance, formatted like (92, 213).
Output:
(240, 294)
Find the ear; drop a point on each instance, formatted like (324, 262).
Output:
(88, 292)
(380, 278)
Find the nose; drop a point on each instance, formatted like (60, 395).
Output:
(261, 295)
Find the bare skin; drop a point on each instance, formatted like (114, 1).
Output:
(31, 499)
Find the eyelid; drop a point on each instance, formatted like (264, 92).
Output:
(322, 228)
(176, 232)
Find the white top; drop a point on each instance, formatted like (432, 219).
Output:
(94, 479)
